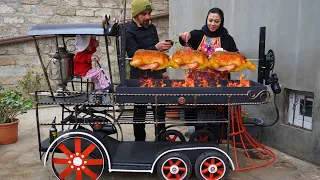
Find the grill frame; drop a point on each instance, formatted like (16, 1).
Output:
(256, 93)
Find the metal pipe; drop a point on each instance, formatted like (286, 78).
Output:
(109, 62)
(43, 67)
(253, 59)
(38, 126)
(118, 53)
(123, 49)
(60, 65)
(4, 41)
(246, 59)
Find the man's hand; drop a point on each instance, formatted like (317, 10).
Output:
(165, 75)
(185, 36)
(95, 58)
(163, 46)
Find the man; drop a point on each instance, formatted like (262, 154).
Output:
(142, 34)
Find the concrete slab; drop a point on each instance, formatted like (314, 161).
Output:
(20, 161)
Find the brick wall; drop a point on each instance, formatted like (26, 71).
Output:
(18, 16)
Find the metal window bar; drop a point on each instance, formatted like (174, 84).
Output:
(295, 101)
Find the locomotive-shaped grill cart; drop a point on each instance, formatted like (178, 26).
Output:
(90, 140)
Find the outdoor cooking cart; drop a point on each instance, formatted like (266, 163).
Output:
(90, 139)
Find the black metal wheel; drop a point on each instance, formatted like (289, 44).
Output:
(171, 135)
(212, 165)
(174, 166)
(203, 135)
(75, 161)
(104, 124)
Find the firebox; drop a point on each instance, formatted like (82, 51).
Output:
(220, 93)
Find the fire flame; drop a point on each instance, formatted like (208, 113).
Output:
(218, 84)
(189, 82)
(240, 83)
(162, 84)
(148, 83)
(203, 83)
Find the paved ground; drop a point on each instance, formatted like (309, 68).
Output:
(20, 161)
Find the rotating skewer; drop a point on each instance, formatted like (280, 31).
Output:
(246, 59)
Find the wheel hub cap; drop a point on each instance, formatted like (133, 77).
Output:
(213, 169)
(77, 161)
(174, 169)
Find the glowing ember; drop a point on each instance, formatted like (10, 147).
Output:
(240, 83)
(162, 84)
(147, 83)
(244, 83)
(203, 83)
(189, 82)
(218, 84)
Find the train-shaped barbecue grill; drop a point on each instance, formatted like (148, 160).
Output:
(94, 118)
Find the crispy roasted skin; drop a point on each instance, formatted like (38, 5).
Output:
(189, 59)
(224, 59)
(150, 59)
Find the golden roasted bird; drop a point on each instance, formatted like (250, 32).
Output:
(150, 59)
(229, 61)
(189, 59)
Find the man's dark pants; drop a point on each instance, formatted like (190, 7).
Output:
(139, 115)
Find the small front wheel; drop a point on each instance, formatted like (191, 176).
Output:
(203, 135)
(212, 165)
(171, 135)
(174, 166)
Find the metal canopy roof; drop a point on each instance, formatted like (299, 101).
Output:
(68, 29)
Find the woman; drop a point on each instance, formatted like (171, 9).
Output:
(211, 37)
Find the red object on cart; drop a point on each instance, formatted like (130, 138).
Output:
(251, 147)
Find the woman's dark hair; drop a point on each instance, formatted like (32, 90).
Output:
(220, 30)
(218, 11)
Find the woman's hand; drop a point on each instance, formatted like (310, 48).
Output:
(185, 36)
(95, 58)
(163, 46)
(165, 75)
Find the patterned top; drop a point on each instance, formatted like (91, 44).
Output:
(208, 46)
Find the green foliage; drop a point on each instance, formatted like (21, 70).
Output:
(30, 83)
(245, 116)
(13, 103)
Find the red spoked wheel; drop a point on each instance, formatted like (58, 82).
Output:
(174, 166)
(76, 163)
(203, 135)
(211, 166)
(171, 135)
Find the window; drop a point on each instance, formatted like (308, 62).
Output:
(299, 109)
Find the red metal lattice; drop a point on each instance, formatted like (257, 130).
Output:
(247, 143)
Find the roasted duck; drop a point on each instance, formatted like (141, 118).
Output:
(150, 59)
(229, 61)
(189, 59)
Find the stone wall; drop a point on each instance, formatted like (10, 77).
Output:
(18, 16)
